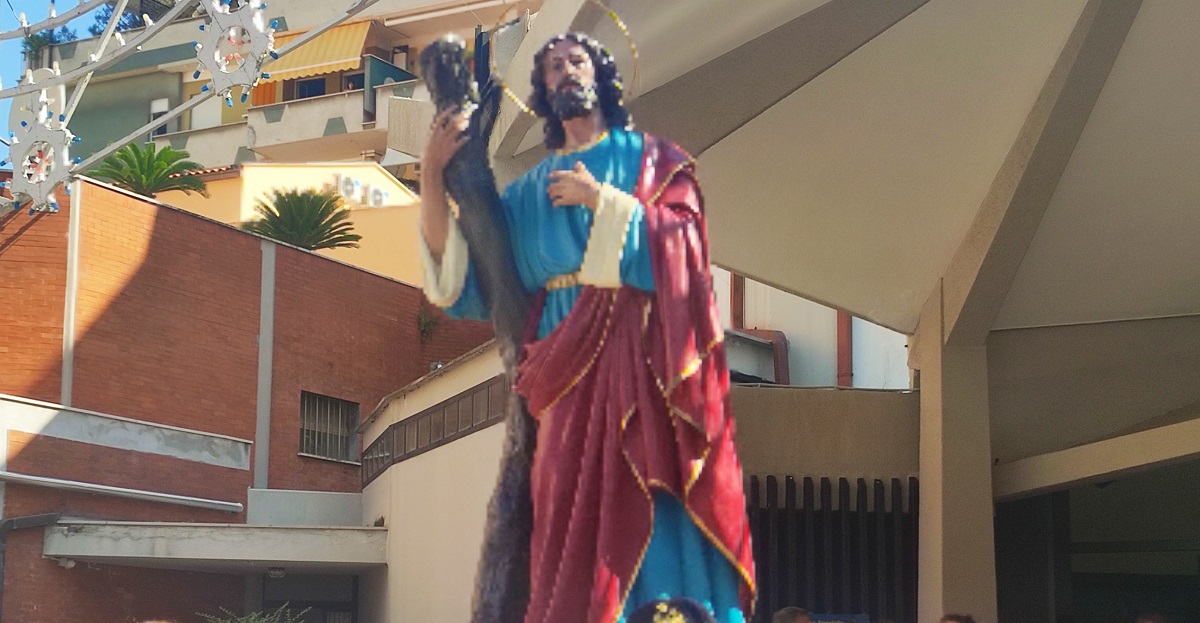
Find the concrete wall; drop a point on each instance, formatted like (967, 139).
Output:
(827, 432)
(279, 507)
(811, 329)
(210, 147)
(305, 119)
(880, 355)
(109, 110)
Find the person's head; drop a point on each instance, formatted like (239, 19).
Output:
(1151, 618)
(791, 614)
(958, 618)
(574, 76)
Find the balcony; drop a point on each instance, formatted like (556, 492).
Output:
(338, 126)
(211, 147)
(323, 128)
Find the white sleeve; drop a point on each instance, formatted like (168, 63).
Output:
(610, 228)
(444, 282)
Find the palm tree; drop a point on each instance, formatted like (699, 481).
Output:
(148, 172)
(308, 219)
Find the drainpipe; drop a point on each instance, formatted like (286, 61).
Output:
(845, 350)
(17, 523)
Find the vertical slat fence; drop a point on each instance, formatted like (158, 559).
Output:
(849, 551)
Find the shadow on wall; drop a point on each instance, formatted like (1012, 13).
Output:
(167, 329)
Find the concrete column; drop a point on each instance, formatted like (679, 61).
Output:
(956, 564)
(266, 360)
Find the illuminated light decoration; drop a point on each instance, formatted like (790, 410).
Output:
(237, 45)
(40, 155)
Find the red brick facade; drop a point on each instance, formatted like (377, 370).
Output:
(166, 331)
(33, 284)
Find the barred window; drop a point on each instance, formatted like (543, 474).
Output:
(327, 427)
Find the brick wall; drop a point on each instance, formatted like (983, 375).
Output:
(38, 590)
(38, 455)
(167, 316)
(450, 338)
(33, 277)
(166, 331)
(350, 335)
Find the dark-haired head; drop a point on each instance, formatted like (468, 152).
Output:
(607, 91)
(791, 614)
(958, 618)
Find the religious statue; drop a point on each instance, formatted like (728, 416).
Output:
(594, 266)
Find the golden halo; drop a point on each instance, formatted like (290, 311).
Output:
(495, 72)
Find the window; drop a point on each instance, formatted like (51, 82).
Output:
(353, 82)
(475, 409)
(310, 88)
(159, 108)
(327, 427)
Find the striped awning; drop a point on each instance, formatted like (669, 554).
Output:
(338, 49)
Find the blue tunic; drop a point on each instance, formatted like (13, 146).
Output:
(549, 241)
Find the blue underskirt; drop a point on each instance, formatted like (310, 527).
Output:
(681, 562)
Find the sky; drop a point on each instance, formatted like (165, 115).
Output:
(11, 61)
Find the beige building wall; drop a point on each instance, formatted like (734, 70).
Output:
(262, 178)
(386, 219)
(388, 245)
(434, 504)
(223, 204)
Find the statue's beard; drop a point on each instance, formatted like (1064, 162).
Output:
(573, 101)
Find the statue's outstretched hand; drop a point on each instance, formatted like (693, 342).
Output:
(574, 187)
(447, 134)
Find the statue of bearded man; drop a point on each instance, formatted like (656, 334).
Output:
(636, 485)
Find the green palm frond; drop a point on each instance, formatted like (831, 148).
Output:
(149, 171)
(308, 219)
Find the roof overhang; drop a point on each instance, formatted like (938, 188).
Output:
(218, 548)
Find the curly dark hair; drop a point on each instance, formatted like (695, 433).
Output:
(609, 89)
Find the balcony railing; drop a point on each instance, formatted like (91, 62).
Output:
(211, 147)
(306, 119)
(383, 97)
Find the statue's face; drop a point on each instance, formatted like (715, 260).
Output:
(570, 80)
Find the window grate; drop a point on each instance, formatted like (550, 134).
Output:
(327, 427)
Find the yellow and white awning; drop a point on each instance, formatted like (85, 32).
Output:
(338, 49)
